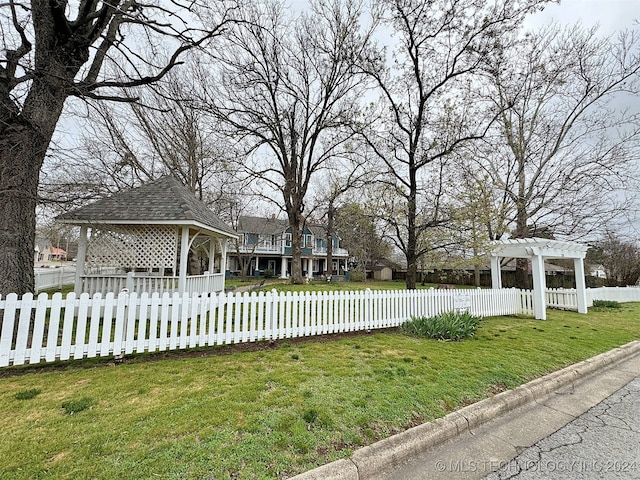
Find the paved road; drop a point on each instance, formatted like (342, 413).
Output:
(588, 430)
(604, 442)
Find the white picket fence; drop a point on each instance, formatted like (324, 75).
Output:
(42, 328)
(617, 294)
(36, 329)
(53, 277)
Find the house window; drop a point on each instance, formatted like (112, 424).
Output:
(308, 242)
(287, 239)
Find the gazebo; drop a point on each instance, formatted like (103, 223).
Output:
(537, 250)
(139, 239)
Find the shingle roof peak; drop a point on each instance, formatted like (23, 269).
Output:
(163, 200)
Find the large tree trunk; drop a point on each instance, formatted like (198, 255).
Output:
(522, 230)
(412, 240)
(296, 248)
(22, 151)
(24, 139)
(522, 264)
(331, 212)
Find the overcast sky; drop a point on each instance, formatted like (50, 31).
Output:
(611, 15)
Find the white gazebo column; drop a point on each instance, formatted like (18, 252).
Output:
(184, 260)
(82, 253)
(212, 255)
(223, 259)
(496, 274)
(539, 287)
(581, 288)
(283, 268)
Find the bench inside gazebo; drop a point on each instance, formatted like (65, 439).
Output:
(139, 240)
(537, 250)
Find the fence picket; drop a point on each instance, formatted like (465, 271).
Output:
(94, 325)
(24, 322)
(38, 328)
(6, 335)
(107, 324)
(81, 326)
(67, 326)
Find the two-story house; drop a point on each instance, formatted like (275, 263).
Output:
(265, 244)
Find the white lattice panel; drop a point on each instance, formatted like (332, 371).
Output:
(134, 246)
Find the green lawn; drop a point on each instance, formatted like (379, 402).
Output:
(322, 286)
(277, 410)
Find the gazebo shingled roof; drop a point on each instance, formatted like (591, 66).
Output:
(163, 201)
(155, 205)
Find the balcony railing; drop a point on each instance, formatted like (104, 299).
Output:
(277, 249)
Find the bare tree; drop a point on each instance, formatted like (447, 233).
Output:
(562, 151)
(426, 108)
(52, 51)
(286, 88)
(619, 257)
(122, 145)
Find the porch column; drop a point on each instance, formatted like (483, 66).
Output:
(539, 287)
(184, 260)
(581, 288)
(283, 268)
(212, 255)
(82, 253)
(496, 274)
(309, 267)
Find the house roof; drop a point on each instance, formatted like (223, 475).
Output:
(262, 225)
(161, 202)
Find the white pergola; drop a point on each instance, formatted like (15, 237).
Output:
(538, 250)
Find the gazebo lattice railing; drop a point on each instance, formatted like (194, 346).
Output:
(150, 247)
(139, 258)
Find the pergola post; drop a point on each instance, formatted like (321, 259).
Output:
(539, 287)
(581, 288)
(82, 253)
(184, 260)
(496, 274)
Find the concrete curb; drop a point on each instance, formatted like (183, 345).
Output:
(394, 450)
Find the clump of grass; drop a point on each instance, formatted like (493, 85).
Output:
(310, 415)
(446, 326)
(606, 304)
(27, 394)
(77, 405)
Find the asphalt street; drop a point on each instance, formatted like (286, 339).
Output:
(604, 442)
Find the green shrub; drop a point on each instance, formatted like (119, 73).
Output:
(27, 394)
(606, 304)
(268, 273)
(356, 276)
(77, 405)
(446, 326)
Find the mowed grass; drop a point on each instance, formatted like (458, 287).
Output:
(279, 410)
